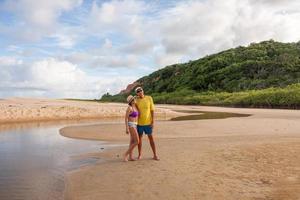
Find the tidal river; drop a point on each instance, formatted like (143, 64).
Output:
(34, 159)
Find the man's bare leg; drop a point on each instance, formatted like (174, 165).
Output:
(140, 146)
(152, 144)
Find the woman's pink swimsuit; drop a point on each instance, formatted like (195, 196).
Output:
(134, 114)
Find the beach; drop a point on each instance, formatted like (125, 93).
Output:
(255, 157)
(14, 110)
(250, 157)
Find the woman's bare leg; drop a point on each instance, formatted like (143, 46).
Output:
(126, 153)
(131, 143)
(134, 141)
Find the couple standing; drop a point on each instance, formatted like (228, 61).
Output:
(139, 119)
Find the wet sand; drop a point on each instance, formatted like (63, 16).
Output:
(255, 157)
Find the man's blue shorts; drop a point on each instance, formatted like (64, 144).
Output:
(147, 129)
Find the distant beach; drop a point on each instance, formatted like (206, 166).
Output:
(28, 109)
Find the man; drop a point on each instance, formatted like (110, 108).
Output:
(145, 120)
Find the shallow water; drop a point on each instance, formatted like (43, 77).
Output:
(34, 159)
(206, 115)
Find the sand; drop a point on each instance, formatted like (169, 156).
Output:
(256, 157)
(28, 109)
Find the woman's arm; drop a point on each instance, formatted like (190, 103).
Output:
(126, 119)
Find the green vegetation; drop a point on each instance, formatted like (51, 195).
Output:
(288, 97)
(265, 74)
(114, 98)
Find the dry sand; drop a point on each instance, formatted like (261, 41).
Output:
(27, 110)
(256, 157)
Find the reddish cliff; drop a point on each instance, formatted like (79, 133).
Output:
(130, 87)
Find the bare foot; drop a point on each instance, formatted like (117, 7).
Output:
(125, 158)
(156, 158)
(132, 159)
(139, 157)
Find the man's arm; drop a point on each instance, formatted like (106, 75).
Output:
(152, 111)
(152, 117)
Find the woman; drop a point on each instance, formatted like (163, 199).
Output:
(131, 124)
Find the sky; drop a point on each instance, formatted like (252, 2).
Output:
(85, 48)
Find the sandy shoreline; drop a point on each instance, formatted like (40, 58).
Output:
(31, 110)
(255, 157)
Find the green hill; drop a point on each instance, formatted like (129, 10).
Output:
(268, 69)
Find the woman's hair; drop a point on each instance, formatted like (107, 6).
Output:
(130, 103)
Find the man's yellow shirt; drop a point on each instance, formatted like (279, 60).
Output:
(145, 106)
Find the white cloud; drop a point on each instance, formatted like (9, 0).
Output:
(98, 61)
(107, 44)
(116, 15)
(12, 71)
(126, 31)
(9, 61)
(54, 78)
(64, 40)
(65, 79)
(78, 57)
(128, 61)
(42, 14)
(128, 19)
(61, 75)
(139, 47)
(37, 19)
(191, 29)
(197, 28)
(106, 56)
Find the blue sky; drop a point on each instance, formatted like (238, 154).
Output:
(84, 48)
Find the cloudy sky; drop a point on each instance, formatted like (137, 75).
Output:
(85, 48)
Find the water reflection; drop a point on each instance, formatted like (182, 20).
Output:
(34, 158)
(49, 123)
